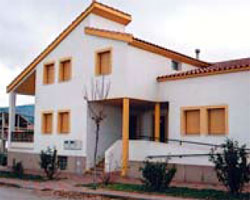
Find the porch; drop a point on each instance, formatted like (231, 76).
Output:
(129, 120)
(20, 132)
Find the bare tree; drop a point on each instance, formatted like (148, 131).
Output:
(99, 91)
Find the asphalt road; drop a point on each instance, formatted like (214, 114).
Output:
(19, 194)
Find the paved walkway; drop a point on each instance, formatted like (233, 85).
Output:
(67, 184)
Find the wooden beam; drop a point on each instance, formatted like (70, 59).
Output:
(157, 121)
(125, 136)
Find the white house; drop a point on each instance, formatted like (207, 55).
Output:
(158, 97)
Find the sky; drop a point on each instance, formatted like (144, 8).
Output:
(220, 28)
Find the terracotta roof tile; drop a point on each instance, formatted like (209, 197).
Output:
(215, 68)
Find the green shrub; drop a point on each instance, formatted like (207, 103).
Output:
(231, 165)
(3, 159)
(17, 169)
(156, 176)
(49, 162)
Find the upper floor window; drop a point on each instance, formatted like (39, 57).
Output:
(192, 122)
(47, 122)
(63, 122)
(49, 73)
(65, 70)
(103, 62)
(176, 65)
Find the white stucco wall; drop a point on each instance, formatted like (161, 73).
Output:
(230, 89)
(102, 23)
(110, 132)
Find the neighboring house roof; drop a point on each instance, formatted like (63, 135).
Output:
(109, 13)
(26, 111)
(224, 67)
(141, 44)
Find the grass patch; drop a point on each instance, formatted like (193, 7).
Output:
(6, 174)
(207, 194)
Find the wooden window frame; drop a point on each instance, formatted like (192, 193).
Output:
(59, 131)
(203, 119)
(97, 61)
(225, 107)
(183, 120)
(43, 122)
(45, 76)
(61, 61)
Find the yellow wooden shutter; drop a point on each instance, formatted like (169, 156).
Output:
(192, 122)
(216, 121)
(48, 75)
(64, 122)
(65, 70)
(47, 123)
(105, 63)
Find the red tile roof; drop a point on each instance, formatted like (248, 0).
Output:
(216, 68)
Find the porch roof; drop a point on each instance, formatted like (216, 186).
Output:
(136, 103)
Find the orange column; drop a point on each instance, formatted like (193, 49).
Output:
(125, 136)
(157, 121)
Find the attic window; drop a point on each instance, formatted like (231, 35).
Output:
(176, 66)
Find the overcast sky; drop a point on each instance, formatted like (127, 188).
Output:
(220, 28)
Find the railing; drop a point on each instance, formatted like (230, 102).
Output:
(180, 142)
(22, 136)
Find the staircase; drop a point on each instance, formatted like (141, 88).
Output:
(100, 168)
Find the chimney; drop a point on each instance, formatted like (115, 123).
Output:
(197, 53)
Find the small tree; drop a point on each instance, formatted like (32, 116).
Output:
(99, 91)
(231, 165)
(156, 176)
(49, 162)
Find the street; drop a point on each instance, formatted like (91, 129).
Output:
(20, 194)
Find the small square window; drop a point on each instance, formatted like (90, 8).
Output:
(176, 66)
(65, 70)
(48, 73)
(62, 162)
(103, 63)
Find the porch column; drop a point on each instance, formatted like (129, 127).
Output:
(157, 121)
(12, 106)
(125, 136)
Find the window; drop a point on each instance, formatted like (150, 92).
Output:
(47, 123)
(65, 70)
(48, 73)
(216, 121)
(176, 65)
(62, 162)
(206, 120)
(192, 122)
(103, 62)
(64, 122)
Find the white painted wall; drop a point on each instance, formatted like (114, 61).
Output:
(102, 23)
(231, 89)
(110, 132)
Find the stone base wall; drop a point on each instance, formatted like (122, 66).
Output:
(185, 173)
(31, 162)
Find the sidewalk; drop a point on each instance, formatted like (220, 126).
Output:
(67, 185)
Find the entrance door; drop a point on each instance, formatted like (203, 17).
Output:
(132, 126)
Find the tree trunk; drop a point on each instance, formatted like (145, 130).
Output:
(95, 153)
